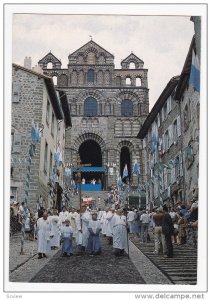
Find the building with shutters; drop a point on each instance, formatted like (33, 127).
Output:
(188, 96)
(107, 107)
(170, 137)
(34, 173)
(161, 139)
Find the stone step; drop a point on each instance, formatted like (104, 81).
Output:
(75, 201)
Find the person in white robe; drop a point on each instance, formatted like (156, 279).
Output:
(109, 228)
(63, 215)
(120, 241)
(85, 218)
(55, 230)
(104, 221)
(72, 217)
(43, 236)
(66, 238)
(94, 227)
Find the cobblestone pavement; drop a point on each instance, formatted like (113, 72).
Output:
(23, 267)
(181, 269)
(105, 268)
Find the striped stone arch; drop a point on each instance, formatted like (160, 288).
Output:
(89, 136)
(125, 143)
(127, 95)
(85, 94)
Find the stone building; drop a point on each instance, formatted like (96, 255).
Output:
(170, 137)
(35, 107)
(107, 107)
(161, 137)
(188, 96)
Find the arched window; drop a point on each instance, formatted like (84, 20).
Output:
(128, 81)
(127, 108)
(50, 65)
(132, 65)
(90, 75)
(138, 81)
(91, 58)
(90, 107)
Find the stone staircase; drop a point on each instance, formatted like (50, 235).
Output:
(74, 200)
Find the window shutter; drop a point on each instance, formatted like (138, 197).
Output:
(168, 106)
(163, 144)
(158, 119)
(16, 92)
(180, 164)
(173, 175)
(170, 130)
(178, 126)
(162, 112)
(17, 143)
(165, 179)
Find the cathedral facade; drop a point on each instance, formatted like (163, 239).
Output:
(108, 107)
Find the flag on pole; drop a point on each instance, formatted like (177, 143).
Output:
(195, 72)
(136, 168)
(125, 172)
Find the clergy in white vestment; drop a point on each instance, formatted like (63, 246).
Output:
(72, 217)
(104, 221)
(120, 241)
(109, 228)
(63, 215)
(43, 235)
(55, 230)
(94, 227)
(85, 218)
(66, 237)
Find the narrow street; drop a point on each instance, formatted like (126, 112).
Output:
(104, 268)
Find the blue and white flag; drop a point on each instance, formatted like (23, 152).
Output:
(119, 182)
(136, 168)
(195, 72)
(125, 172)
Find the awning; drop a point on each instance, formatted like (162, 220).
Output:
(90, 169)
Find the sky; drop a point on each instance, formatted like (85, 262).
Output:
(162, 42)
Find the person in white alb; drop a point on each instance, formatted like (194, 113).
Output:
(120, 242)
(63, 215)
(55, 230)
(43, 235)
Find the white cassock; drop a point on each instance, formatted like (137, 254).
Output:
(63, 215)
(55, 230)
(86, 217)
(72, 218)
(103, 222)
(43, 235)
(78, 234)
(120, 233)
(109, 229)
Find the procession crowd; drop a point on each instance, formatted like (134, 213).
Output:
(79, 232)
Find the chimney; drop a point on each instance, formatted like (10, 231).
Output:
(28, 62)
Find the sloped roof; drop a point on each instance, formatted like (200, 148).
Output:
(132, 56)
(49, 53)
(93, 44)
(50, 87)
(65, 108)
(184, 77)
